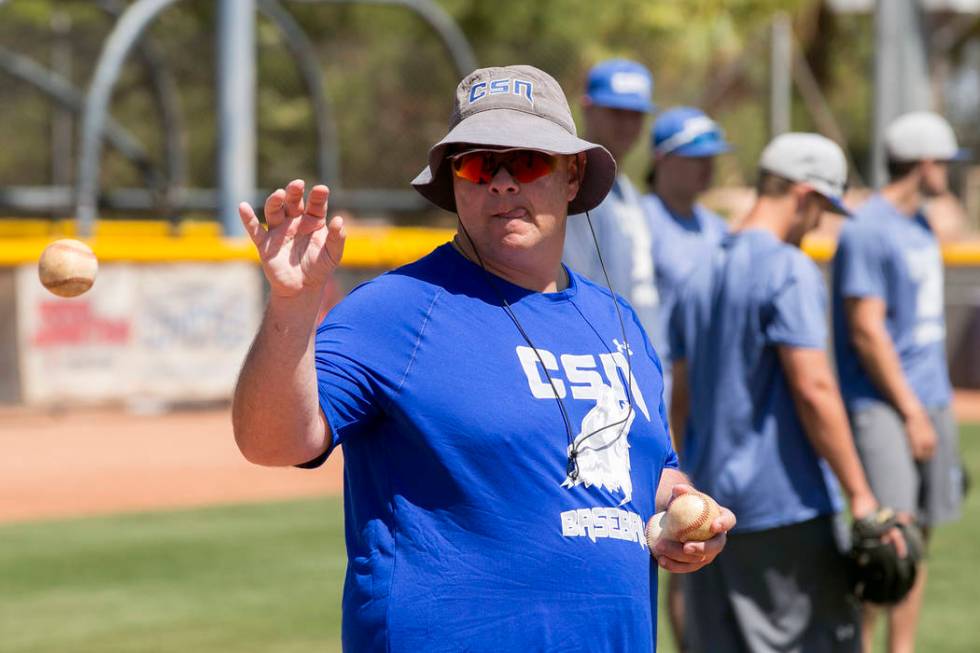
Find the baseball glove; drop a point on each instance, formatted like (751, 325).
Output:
(878, 574)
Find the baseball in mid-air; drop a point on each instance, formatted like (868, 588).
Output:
(67, 267)
(688, 518)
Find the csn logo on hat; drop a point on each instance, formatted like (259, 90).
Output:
(502, 86)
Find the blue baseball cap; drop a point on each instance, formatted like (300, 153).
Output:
(686, 131)
(621, 84)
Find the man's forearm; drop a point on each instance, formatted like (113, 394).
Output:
(825, 421)
(275, 413)
(821, 411)
(880, 360)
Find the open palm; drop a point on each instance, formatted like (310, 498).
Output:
(299, 251)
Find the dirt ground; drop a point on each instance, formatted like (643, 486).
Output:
(89, 462)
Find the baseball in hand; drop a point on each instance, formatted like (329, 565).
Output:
(67, 267)
(688, 518)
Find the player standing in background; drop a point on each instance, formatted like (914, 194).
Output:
(684, 143)
(618, 98)
(765, 424)
(890, 345)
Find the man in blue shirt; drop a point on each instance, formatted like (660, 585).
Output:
(889, 341)
(760, 424)
(618, 99)
(503, 434)
(684, 144)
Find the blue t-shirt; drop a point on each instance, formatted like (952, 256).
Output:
(464, 530)
(885, 254)
(744, 443)
(680, 244)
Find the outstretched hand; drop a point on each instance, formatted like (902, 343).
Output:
(685, 557)
(299, 250)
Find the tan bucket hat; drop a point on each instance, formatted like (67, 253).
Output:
(515, 107)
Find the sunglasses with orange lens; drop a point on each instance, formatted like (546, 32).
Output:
(480, 166)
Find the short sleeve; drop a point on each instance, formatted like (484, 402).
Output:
(798, 309)
(859, 264)
(346, 382)
(361, 360)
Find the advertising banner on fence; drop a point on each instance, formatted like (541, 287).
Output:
(175, 332)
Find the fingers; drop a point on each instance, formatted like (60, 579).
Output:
(927, 443)
(924, 449)
(275, 209)
(687, 557)
(316, 210)
(685, 552)
(862, 505)
(316, 205)
(333, 249)
(922, 437)
(336, 230)
(711, 548)
(895, 537)
(905, 517)
(288, 204)
(724, 522)
(918, 451)
(294, 198)
(251, 223)
(678, 490)
(675, 567)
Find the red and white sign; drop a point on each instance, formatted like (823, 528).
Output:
(176, 332)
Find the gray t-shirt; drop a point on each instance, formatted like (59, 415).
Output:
(622, 230)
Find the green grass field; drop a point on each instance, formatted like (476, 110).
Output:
(267, 578)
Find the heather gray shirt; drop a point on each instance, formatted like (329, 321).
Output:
(622, 230)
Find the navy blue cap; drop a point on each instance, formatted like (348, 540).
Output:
(621, 84)
(686, 131)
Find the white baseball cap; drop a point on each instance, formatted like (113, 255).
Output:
(812, 159)
(921, 136)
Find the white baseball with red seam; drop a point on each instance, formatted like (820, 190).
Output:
(688, 518)
(67, 267)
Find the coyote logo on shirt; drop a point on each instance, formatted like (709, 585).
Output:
(602, 451)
